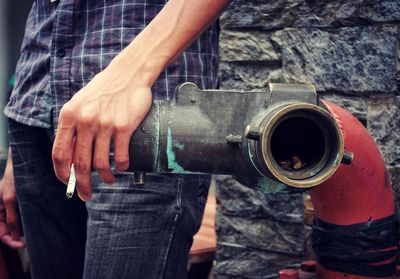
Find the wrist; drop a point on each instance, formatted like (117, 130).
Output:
(136, 67)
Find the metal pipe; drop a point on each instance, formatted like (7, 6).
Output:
(284, 133)
(270, 140)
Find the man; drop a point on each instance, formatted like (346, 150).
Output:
(109, 56)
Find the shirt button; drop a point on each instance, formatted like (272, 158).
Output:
(61, 52)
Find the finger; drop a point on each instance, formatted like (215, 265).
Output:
(83, 161)
(63, 146)
(2, 211)
(10, 242)
(12, 218)
(121, 147)
(124, 129)
(101, 160)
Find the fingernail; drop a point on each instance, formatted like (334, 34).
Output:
(84, 197)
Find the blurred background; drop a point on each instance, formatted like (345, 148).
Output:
(13, 14)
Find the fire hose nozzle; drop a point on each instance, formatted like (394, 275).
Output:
(284, 133)
(300, 145)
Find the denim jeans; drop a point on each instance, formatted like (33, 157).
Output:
(125, 231)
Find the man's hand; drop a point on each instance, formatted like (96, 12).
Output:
(10, 232)
(107, 109)
(115, 102)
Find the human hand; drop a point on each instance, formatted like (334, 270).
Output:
(10, 232)
(109, 108)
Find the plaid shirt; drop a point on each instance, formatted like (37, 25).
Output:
(67, 42)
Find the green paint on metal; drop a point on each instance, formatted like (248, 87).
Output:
(172, 164)
(178, 145)
(269, 186)
(157, 136)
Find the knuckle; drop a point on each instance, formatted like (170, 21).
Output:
(86, 116)
(67, 112)
(85, 120)
(9, 199)
(105, 124)
(121, 160)
(58, 154)
(82, 168)
(101, 165)
(122, 128)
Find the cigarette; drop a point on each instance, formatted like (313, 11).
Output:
(71, 183)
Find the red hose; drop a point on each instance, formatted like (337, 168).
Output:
(356, 193)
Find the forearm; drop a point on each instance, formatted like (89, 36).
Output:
(166, 37)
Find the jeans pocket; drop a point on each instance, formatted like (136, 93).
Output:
(148, 207)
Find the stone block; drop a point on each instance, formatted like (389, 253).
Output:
(272, 15)
(235, 261)
(249, 75)
(247, 46)
(398, 66)
(238, 200)
(262, 234)
(347, 60)
(394, 173)
(272, 223)
(383, 123)
(356, 105)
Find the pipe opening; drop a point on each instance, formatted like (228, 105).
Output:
(303, 143)
(298, 144)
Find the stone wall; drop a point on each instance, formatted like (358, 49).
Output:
(349, 51)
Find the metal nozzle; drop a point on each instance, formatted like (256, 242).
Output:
(301, 145)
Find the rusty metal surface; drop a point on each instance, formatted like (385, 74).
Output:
(241, 133)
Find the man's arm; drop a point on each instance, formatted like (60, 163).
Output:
(115, 102)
